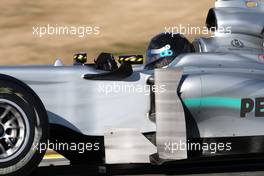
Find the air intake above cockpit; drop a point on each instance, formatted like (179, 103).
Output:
(241, 16)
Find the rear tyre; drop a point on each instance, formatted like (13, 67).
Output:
(23, 128)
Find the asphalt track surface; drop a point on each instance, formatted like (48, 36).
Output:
(61, 167)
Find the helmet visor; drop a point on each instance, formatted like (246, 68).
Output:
(153, 55)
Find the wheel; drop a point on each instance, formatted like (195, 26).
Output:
(23, 128)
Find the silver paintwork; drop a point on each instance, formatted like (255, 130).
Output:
(217, 69)
(222, 43)
(241, 18)
(220, 74)
(239, 4)
(222, 77)
(81, 104)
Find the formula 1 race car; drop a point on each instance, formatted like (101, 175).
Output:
(208, 102)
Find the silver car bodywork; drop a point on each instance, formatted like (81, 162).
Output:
(224, 70)
(86, 106)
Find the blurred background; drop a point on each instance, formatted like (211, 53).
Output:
(126, 26)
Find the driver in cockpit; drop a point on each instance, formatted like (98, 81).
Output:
(164, 48)
(161, 51)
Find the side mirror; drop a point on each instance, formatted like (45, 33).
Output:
(79, 58)
(131, 59)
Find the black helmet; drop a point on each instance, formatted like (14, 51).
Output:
(164, 48)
